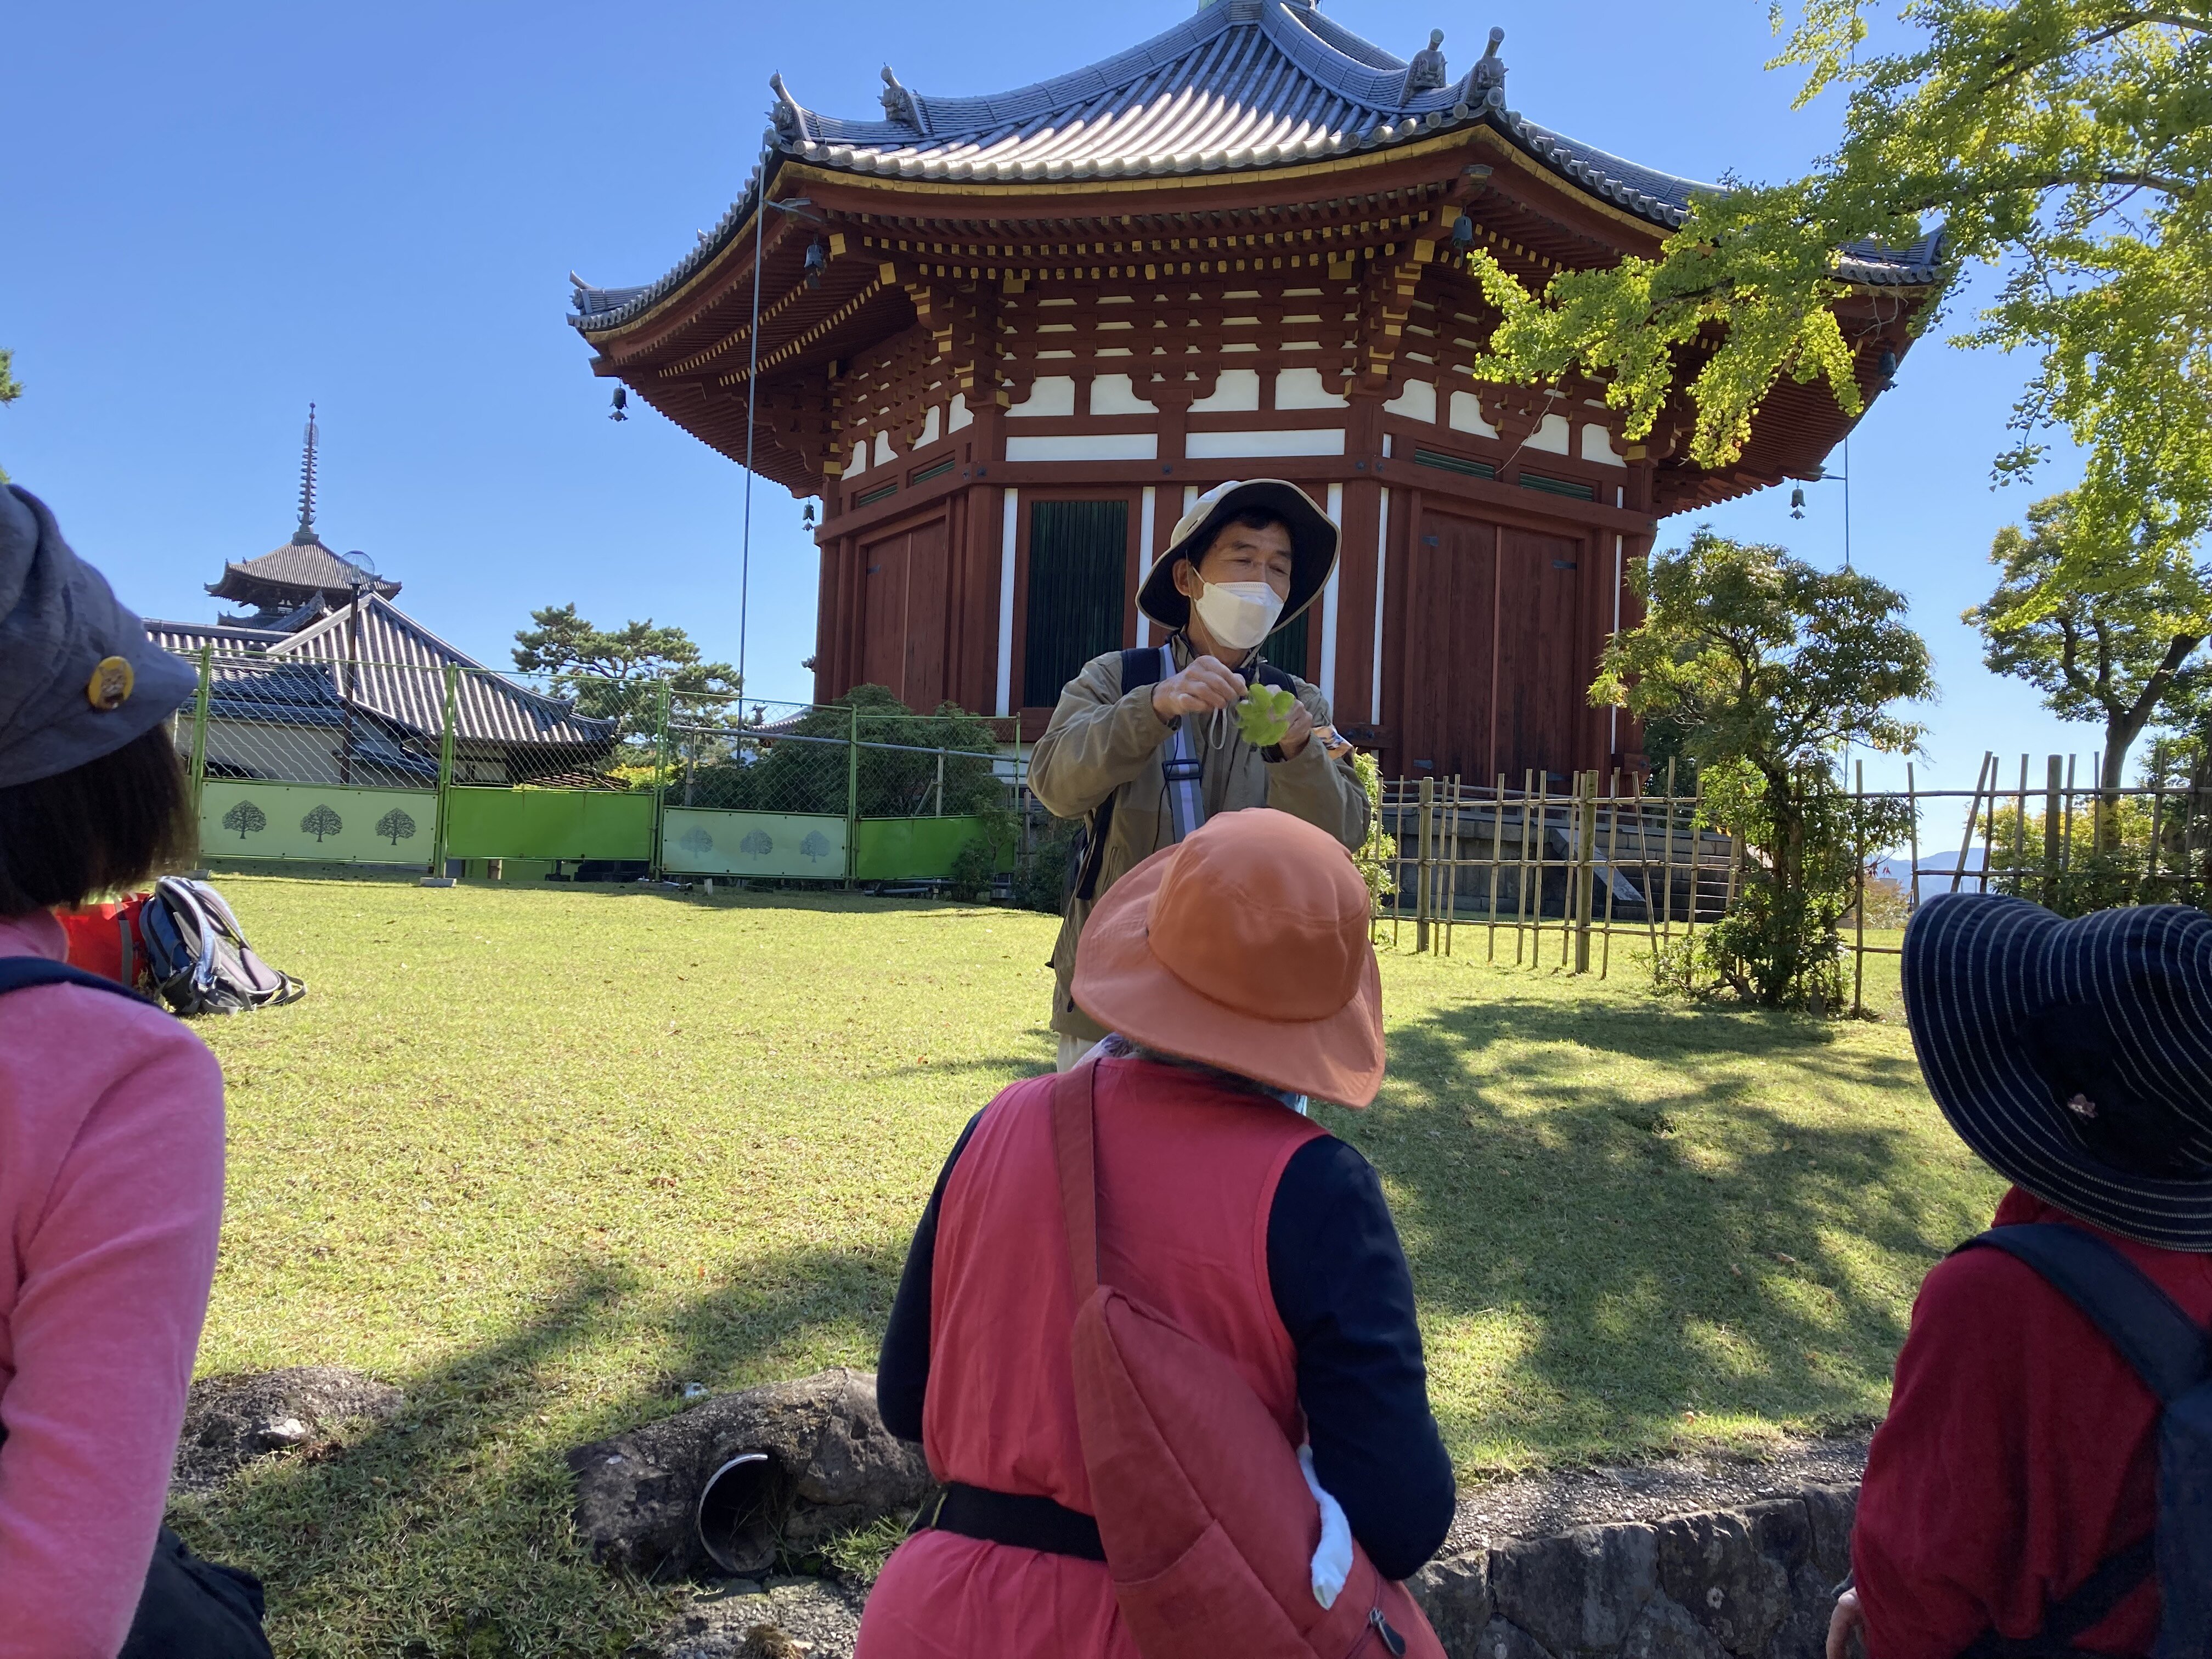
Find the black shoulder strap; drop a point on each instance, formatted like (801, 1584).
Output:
(23, 973)
(1140, 665)
(2168, 1349)
(1268, 674)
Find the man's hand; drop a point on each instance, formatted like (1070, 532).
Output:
(1847, 1620)
(1302, 729)
(1206, 685)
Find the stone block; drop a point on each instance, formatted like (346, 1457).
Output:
(1453, 1591)
(1578, 1592)
(833, 1465)
(1502, 1638)
(1832, 1510)
(1782, 1527)
(1804, 1633)
(1712, 1566)
(1665, 1630)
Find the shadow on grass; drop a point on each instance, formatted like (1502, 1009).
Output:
(446, 1533)
(1631, 1226)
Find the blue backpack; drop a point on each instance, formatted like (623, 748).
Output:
(2173, 1357)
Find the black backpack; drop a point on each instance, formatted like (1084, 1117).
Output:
(2173, 1357)
(200, 959)
(1140, 665)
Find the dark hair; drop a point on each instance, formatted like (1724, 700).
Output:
(1252, 518)
(98, 828)
(2073, 1048)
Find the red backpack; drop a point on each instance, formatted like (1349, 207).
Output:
(1208, 1527)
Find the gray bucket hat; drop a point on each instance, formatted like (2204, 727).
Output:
(78, 676)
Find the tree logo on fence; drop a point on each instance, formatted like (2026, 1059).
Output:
(816, 846)
(246, 819)
(697, 841)
(396, 826)
(322, 822)
(760, 844)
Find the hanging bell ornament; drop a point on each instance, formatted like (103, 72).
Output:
(622, 403)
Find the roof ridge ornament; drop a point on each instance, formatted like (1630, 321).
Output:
(900, 106)
(1486, 82)
(784, 112)
(1427, 73)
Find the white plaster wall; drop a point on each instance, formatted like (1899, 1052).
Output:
(1418, 402)
(1049, 394)
(1237, 389)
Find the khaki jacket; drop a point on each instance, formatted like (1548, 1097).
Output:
(1101, 741)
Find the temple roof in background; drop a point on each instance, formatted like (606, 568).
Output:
(298, 571)
(1241, 87)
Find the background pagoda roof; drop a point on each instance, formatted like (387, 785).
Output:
(1240, 87)
(299, 568)
(397, 675)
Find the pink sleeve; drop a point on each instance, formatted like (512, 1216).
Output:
(115, 1280)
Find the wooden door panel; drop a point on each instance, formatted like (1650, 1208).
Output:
(1539, 676)
(884, 568)
(1450, 625)
(923, 686)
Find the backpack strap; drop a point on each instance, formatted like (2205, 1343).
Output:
(23, 973)
(2167, 1350)
(1140, 665)
(2166, 1347)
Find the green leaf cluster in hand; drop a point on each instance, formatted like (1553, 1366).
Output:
(2066, 144)
(1264, 715)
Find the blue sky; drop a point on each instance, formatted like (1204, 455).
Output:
(216, 213)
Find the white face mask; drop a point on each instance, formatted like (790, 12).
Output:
(1238, 614)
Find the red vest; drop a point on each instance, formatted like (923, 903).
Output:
(1187, 1175)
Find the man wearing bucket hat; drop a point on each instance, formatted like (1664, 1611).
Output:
(2013, 1501)
(111, 1142)
(1236, 972)
(1143, 743)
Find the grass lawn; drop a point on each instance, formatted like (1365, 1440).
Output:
(542, 1156)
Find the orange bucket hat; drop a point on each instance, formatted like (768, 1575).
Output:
(1245, 946)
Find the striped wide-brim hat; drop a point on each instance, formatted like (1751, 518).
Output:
(1986, 977)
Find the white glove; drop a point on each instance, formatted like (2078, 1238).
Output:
(1332, 1561)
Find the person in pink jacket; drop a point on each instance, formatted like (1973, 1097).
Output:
(110, 1143)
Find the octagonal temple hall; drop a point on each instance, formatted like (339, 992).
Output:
(1007, 338)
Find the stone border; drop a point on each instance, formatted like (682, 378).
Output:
(1755, 1583)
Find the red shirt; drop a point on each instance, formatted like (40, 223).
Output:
(2020, 1450)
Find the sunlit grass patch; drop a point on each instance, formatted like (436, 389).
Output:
(544, 1157)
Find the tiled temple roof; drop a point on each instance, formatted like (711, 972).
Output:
(1242, 85)
(304, 567)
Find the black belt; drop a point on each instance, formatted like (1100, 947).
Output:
(1016, 1518)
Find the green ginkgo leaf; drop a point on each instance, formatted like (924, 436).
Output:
(1264, 716)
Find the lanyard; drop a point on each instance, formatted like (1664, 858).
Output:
(1186, 794)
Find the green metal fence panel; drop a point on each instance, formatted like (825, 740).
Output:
(910, 849)
(548, 824)
(705, 841)
(332, 823)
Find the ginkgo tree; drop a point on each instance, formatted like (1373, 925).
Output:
(2064, 144)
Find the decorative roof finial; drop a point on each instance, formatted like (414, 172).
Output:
(1426, 72)
(899, 103)
(305, 535)
(784, 111)
(1485, 85)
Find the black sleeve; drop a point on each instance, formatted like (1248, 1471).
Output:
(902, 1368)
(1342, 1288)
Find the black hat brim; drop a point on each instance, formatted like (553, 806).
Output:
(1978, 968)
(1313, 550)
